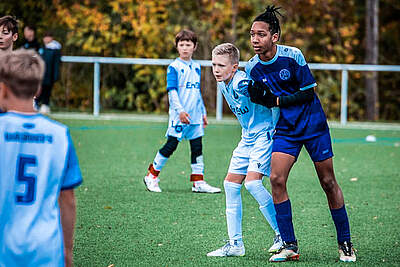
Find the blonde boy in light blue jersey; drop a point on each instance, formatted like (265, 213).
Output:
(251, 159)
(38, 171)
(187, 116)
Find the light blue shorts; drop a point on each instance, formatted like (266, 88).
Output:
(185, 131)
(252, 155)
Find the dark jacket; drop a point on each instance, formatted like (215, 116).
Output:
(51, 55)
(32, 45)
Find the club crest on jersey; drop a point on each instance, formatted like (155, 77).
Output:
(284, 74)
(178, 128)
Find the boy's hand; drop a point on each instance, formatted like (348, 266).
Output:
(260, 94)
(184, 117)
(205, 121)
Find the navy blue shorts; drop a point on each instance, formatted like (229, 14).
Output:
(319, 148)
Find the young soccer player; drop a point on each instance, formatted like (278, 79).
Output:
(8, 33)
(290, 85)
(187, 115)
(251, 159)
(38, 171)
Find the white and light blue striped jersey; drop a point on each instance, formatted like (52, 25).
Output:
(184, 77)
(37, 160)
(252, 117)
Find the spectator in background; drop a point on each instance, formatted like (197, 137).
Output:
(30, 38)
(51, 54)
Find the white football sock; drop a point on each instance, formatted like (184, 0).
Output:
(233, 211)
(264, 199)
(198, 167)
(159, 162)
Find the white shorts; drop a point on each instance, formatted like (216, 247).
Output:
(254, 155)
(185, 131)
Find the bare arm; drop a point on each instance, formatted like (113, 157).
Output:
(67, 204)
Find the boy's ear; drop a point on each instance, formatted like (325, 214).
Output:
(275, 37)
(15, 37)
(195, 47)
(235, 67)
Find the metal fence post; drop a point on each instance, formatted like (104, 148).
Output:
(343, 106)
(219, 105)
(96, 89)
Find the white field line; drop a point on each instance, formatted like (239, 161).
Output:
(228, 121)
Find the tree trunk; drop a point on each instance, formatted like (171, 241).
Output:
(371, 57)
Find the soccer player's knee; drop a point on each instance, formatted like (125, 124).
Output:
(277, 181)
(196, 148)
(328, 184)
(253, 186)
(169, 147)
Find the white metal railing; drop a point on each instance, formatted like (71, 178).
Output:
(344, 68)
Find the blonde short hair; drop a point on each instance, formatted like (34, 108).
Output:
(227, 49)
(22, 71)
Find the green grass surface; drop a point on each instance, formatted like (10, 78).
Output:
(119, 222)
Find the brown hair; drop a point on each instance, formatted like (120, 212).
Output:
(10, 23)
(228, 49)
(22, 71)
(186, 35)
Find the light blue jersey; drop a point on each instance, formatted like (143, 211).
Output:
(252, 117)
(37, 160)
(184, 77)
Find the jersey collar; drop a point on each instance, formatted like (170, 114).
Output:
(278, 48)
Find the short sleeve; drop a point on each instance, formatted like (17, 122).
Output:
(172, 79)
(303, 73)
(72, 173)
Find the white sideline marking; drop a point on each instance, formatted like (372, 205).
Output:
(228, 121)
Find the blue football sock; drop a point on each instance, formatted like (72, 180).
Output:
(233, 210)
(264, 199)
(342, 225)
(284, 220)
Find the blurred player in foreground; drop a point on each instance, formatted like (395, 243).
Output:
(289, 84)
(251, 159)
(38, 171)
(187, 115)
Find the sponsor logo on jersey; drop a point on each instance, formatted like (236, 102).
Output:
(190, 85)
(238, 110)
(284, 74)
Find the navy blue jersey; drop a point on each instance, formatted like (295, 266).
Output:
(286, 74)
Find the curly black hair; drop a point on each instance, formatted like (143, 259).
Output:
(270, 16)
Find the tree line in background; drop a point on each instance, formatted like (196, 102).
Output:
(327, 31)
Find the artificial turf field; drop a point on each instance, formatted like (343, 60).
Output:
(120, 223)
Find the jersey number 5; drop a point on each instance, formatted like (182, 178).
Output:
(30, 180)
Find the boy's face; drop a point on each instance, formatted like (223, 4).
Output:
(222, 67)
(29, 34)
(185, 49)
(7, 38)
(261, 38)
